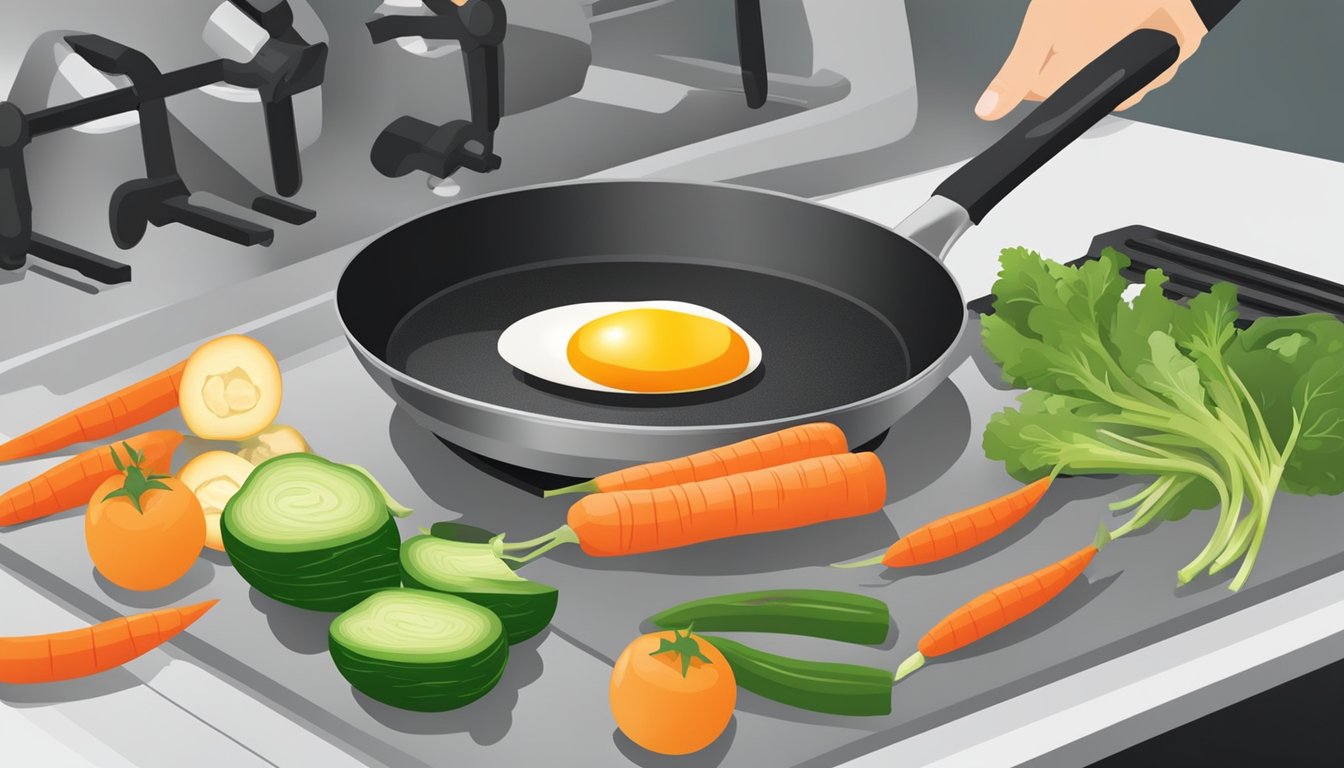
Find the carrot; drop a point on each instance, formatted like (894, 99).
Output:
(89, 650)
(955, 533)
(1002, 606)
(774, 499)
(784, 447)
(71, 483)
(102, 418)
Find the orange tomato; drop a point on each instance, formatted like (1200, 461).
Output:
(672, 693)
(148, 548)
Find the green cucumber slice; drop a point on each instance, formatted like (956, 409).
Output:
(419, 650)
(311, 533)
(475, 573)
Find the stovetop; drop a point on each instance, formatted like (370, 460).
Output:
(588, 88)
(278, 653)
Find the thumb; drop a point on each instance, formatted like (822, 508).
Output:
(1015, 77)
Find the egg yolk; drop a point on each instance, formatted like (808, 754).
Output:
(657, 350)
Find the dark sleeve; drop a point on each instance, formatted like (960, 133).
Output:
(1212, 11)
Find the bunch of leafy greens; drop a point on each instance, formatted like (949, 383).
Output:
(1218, 416)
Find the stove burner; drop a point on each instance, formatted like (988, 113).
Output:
(410, 144)
(751, 51)
(285, 65)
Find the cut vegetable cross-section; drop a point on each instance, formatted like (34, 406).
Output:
(231, 389)
(474, 572)
(419, 650)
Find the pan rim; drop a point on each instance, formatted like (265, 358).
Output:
(405, 379)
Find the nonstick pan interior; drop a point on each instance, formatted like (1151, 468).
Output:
(845, 310)
(820, 349)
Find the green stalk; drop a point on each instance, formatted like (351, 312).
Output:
(1244, 572)
(1165, 463)
(1222, 532)
(1137, 498)
(1266, 441)
(1248, 540)
(562, 535)
(1240, 541)
(1152, 506)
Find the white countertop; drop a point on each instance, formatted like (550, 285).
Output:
(165, 711)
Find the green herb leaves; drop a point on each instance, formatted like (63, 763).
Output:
(1220, 417)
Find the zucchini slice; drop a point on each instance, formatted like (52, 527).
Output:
(475, 573)
(419, 650)
(310, 533)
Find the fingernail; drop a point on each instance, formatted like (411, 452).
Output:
(985, 106)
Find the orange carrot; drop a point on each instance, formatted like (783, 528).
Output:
(960, 531)
(71, 483)
(102, 418)
(1002, 606)
(89, 650)
(787, 496)
(784, 447)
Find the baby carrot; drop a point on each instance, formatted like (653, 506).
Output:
(778, 498)
(71, 483)
(104, 417)
(1001, 606)
(960, 531)
(89, 650)
(784, 447)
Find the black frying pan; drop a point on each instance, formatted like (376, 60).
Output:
(856, 321)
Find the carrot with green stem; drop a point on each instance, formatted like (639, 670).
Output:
(102, 418)
(783, 447)
(72, 482)
(777, 498)
(89, 650)
(1001, 606)
(955, 533)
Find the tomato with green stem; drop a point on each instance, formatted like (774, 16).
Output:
(672, 692)
(143, 531)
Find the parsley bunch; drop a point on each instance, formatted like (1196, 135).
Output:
(1217, 416)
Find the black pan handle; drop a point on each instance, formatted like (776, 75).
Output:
(1077, 105)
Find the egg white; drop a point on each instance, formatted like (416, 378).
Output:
(538, 344)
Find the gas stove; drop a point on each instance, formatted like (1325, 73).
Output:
(272, 131)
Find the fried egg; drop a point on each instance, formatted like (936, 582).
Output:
(649, 347)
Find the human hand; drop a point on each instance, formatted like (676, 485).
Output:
(1060, 37)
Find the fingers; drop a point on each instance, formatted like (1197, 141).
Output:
(1158, 82)
(1056, 72)
(1016, 76)
(1183, 22)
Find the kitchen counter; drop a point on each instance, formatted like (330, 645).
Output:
(166, 710)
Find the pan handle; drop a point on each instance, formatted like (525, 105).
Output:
(1101, 86)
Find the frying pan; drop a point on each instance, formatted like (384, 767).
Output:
(857, 322)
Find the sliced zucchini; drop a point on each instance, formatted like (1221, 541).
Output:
(314, 534)
(474, 572)
(419, 650)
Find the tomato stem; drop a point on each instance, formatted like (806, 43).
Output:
(137, 483)
(683, 645)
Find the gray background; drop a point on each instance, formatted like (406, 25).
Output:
(1268, 74)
